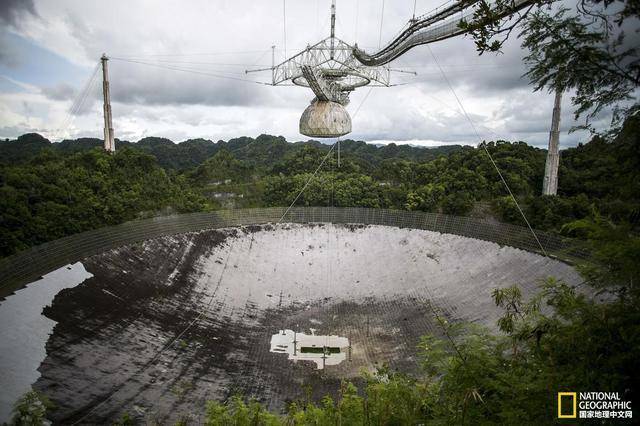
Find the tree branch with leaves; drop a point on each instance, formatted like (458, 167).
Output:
(589, 50)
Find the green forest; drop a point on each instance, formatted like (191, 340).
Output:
(50, 190)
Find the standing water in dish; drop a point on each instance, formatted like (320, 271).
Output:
(24, 332)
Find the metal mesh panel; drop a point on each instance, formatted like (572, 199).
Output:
(30, 264)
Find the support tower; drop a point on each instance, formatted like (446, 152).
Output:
(109, 142)
(550, 183)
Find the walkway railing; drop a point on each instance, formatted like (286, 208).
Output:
(32, 263)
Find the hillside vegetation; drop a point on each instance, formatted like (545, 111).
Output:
(52, 190)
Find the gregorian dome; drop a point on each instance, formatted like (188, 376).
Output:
(325, 119)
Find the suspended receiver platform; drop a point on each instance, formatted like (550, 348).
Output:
(331, 71)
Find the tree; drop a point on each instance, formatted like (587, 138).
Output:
(425, 198)
(222, 166)
(31, 410)
(457, 203)
(587, 50)
(53, 195)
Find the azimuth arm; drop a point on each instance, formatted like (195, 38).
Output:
(322, 88)
(428, 30)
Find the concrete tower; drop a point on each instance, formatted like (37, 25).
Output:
(550, 183)
(109, 143)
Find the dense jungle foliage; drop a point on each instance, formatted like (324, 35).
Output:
(51, 190)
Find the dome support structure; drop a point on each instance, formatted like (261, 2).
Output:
(332, 72)
(332, 68)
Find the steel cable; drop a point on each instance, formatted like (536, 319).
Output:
(487, 151)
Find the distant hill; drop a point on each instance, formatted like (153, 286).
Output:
(262, 152)
(23, 148)
(376, 153)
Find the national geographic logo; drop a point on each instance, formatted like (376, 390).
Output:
(593, 405)
(567, 403)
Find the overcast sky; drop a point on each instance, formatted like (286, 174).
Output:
(49, 50)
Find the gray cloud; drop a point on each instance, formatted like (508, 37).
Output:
(10, 55)
(59, 92)
(166, 80)
(222, 38)
(10, 132)
(152, 85)
(12, 11)
(484, 74)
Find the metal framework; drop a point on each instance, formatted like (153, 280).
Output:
(332, 68)
(438, 25)
(329, 68)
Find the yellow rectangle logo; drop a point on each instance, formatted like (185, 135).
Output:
(573, 396)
